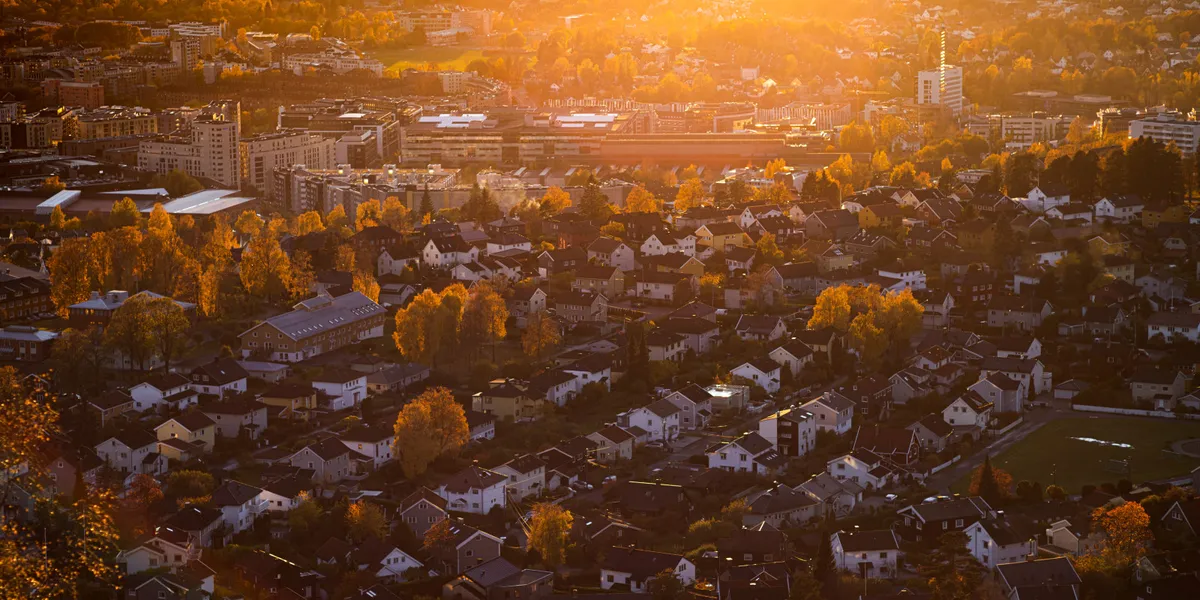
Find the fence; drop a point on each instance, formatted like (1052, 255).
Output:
(1158, 414)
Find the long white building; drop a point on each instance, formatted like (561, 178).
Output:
(262, 154)
(1168, 126)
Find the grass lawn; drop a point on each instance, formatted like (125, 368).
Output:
(1075, 462)
(447, 57)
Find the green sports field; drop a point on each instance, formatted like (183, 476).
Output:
(1079, 451)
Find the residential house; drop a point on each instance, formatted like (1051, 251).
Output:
(1174, 326)
(1158, 386)
(833, 412)
(505, 400)
(760, 327)
(791, 431)
(221, 376)
(898, 446)
(421, 510)
(371, 441)
(110, 405)
(660, 420)
(998, 541)
(750, 453)
(634, 568)
(833, 225)
(1044, 197)
(340, 389)
(235, 417)
(168, 391)
(132, 451)
(929, 520)
(610, 252)
(763, 372)
(886, 216)
(193, 428)
(581, 306)
(1028, 371)
(525, 301)
(240, 504)
(290, 400)
(780, 506)
(719, 236)
(932, 432)
(611, 444)
(474, 490)
(695, 404)
(970, 410)
(792, 355)
(526, 476)
(868, 553)
(1020, 313)
(663, 242)
(1007, 395)
(328, 458)
(863, 468)
(1119, 208)
(444, 253)
(608, 281)
(1041, 578)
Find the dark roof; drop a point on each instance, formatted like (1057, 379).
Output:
(425, 494)
(193, 421)
(234, 493)
(1037, 573)
(640, 564)
(722, 228)
(193, 518)
(605, 245)
(937, 425)
(694, 393)
(329, 448)
(1156, 375)
(525, 463)
(615, 434)
(338, 375)
(111, 399)
(222, 371)
(960, 508)
(884, 440)
(167, 381)
(367, 433)
(870, 540)
(472, 477)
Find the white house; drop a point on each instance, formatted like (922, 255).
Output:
(660, 419)
(660, 243)
(751, 453)
(1119, 208)
(1005, 393)
(635, 568)
(393, 260)
(862, 467)
(913, 279)
(969, 409)
(763, 372)
(996, 542)
(237, 417)
(172, 391)
(167, 548)
(833, 412)
(793, 356)
(1172, 326)
(132, 451)
(526, 476)
(342, 388)
(878, 549)
(240, 504)
(219, 377)
(370, 441)
(1043, 198)
(610, 252)
(447, 252)
(1028, 371)
(474, 490)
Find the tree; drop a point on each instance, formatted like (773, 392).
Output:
(249, 223)
(880, 162)
(439, 539)
(309, 222)
(666, 586)
(774, 167)
(1127, 532)
(903, 175)
(952, 573)
(337, 218)
(50, 186)
(1020, 174)
(305, 516)
(125, 213)
(869, 339)
(554, 202)
(1056, 493)
(689, 195)
(77, 358)
(990, 483)
(129, 331)
(430, 324)
(188, 484)
(640, 200)
(143, 495)
(768, 251)
(364, 283)
(805, 585)
(484, 316)
(177, 183)
(264, 269)
(168, 326)
(541, 334)
(368, 214)
(593, 204)
(72, 269)
(831, 310)
(395, 214)
(426, 202)
(856, 138)
(58, 219)
(549, 532)
(431, 425)
(365, 521)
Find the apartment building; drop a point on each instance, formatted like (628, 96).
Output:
(930, 89)
(210, 151)
(262, 154)
(315, 326)
(115, 121)
(1168, 126)
(84, 94)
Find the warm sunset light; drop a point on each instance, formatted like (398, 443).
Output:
(678, 300)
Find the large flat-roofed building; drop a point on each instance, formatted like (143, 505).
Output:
(262, 154)
(1168, 126)
(115, 121)
(338, 119)
(301, 187)
(315, 326)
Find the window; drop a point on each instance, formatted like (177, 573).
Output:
(945, 524)
(958, 523)
(883, 555)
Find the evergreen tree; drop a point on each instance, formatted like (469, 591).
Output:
(426, 203)
(825, 570)
(985, 483)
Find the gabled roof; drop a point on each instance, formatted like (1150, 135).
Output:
(192, 421)
(605, 245)
(473, 477)
(328, 448)
(972, 507)
(424, 494)
(1056, 571)
(322, 313)
(640, 564)
(234, 493)
(868, 541)
(222, 371)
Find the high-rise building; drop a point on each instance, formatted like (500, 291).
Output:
(211, 151)
(185, 52)
(942, 86)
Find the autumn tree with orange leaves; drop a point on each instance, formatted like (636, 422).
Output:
(431, 425)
